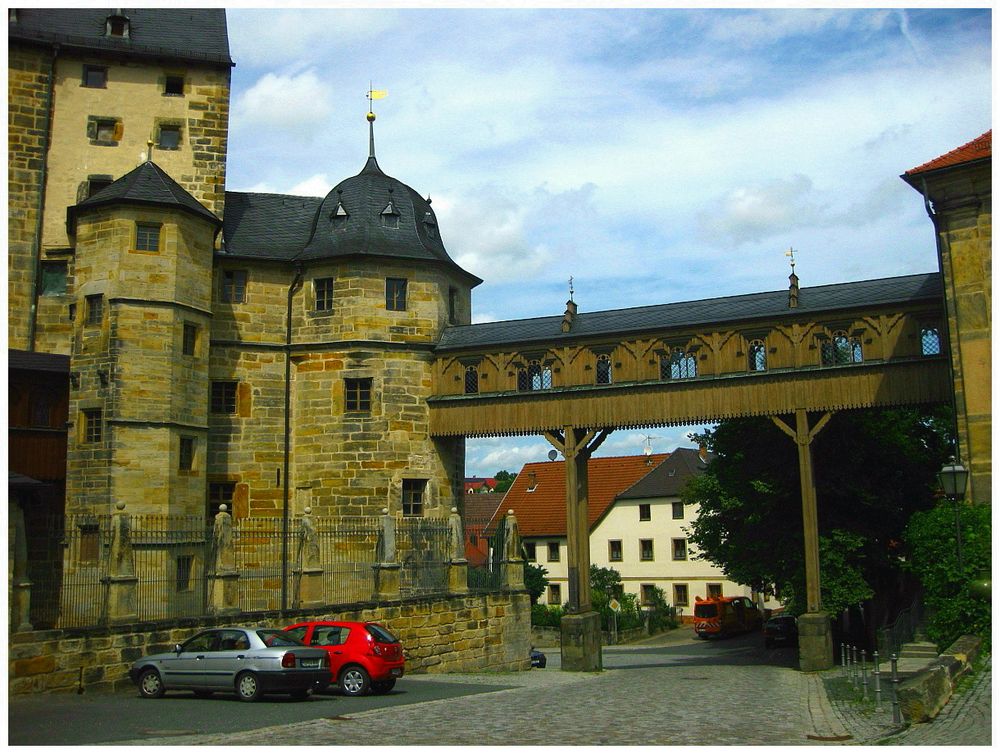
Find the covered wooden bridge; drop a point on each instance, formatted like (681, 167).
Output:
(794, 355)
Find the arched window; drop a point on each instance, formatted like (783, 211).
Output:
(841, 350)
(604, 369)
(534, 377)
(930, 341)
(757, 356)
(472, 379)
(678, 365)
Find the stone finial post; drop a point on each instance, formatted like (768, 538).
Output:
(222, 574)
(386, 568)
(122, 581)
(308, 572)
(513, 563)
(458, 568)
(20, 583)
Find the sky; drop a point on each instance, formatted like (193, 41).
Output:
(653, 155)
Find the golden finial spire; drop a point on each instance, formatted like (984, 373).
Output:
(373, 94)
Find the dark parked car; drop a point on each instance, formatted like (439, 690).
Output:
(537, 659)
(363, 657)
(248, 661)
(782, 629)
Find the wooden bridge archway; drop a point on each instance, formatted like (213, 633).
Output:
(795, 356)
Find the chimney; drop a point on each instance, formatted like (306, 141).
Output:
(569, 316)
(793, 291)
(703, 454)
(532, 482)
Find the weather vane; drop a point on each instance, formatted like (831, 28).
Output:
(374, 94)
(570, 287)
(791, 255)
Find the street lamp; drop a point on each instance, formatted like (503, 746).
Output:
(953, 479)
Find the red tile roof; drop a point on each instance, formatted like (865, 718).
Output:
(978, 149)
(543, 512)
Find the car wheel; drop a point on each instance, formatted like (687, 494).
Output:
(383, 687)
(150, 684)
(354, 681)
(202, 694)
(300, 694)
(248, 687)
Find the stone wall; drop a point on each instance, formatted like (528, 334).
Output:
(471, 633)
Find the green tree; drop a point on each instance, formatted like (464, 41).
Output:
(873, 470)
(504, 480)
(954, 605)
(535, 580)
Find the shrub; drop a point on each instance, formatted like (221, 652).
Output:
(546, 615)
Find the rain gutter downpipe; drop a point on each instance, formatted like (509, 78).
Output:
(296, 284)
(36, 281)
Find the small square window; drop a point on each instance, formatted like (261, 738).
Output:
(714, 591)
(645, 549)
(95, 310)
(678, 511)
(220, 493)
(644, 512)
(471, 380)
(186, 457)
(358, 394)
(647, 594)
(54, 278)
(680, 595)
(95, 76)
(223, 397)
(105, 131)
(395, 294)
(174, 86)
(930, 341)
(680, 549)
(170, 137)
(147, 237)
(93, 425)
(234, 286)
(553, 552)
(324, 294)
(615, 550)
(555, 594)
(413, 497)
(531, 551)
(97, 184)
(190, 339)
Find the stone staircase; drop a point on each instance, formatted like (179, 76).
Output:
(916, 655)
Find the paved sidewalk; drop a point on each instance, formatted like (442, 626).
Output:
(645, 696)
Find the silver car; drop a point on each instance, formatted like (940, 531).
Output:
(248, 661)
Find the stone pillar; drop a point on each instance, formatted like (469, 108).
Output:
(222, 574)
(815, 632)
(513, 562)
(581, 642)
(458, 567)
(20, 609)
(308, 572)
(121, 604)
(387, 569)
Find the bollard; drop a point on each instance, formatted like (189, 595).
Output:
(854, 667)
(878, 682)
(864, 676)
(843, 659)
(897, 718)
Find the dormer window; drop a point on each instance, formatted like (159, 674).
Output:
(430, 226)
(117, 25)
(390, 217)
(339, 217)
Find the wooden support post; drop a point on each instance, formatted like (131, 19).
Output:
(815, 639)
(581, 628)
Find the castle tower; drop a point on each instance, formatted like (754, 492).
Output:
(139, 363)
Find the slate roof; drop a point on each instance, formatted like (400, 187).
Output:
(741, 308)
(669, 478)
(980, 148)
(188, 34)
(147, 184)
(294, 228)
(37, 361)
(542, 513)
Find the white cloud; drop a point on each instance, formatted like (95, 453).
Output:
(289, 101)
(315, 185)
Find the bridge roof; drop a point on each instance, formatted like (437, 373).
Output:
(743, 308)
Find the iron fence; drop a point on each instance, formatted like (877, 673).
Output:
(487, 545)
(70, 569)
(891, 638)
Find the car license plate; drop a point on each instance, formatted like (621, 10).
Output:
(311, 663)
(396, 672)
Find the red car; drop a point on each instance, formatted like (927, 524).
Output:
(364, 657)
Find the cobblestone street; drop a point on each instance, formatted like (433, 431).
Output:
(671, 692)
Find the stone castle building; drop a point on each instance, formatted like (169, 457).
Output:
(264, 351)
